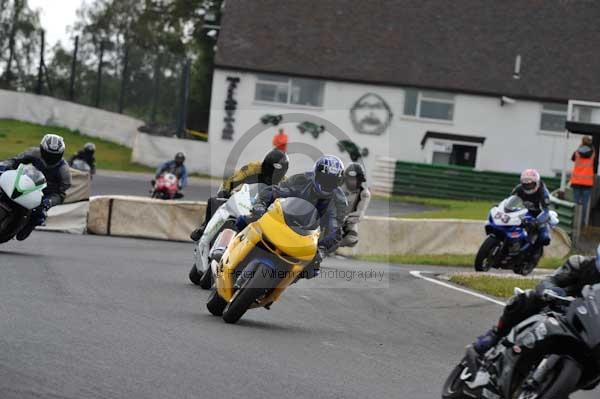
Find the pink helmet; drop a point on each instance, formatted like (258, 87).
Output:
(530, 181)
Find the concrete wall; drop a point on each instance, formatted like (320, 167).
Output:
(154, 150)
(513, 137)
(53, 112)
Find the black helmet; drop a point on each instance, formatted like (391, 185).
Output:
(328, 174)
(52, 149)
(179, 158)
(89, 147)
(274, 166)
(354, 176)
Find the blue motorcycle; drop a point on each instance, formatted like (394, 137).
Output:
(511, 234)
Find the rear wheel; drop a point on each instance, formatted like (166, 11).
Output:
(558, 382)
(485, 256)
(195, 276)
(216, 304)
(254, 288)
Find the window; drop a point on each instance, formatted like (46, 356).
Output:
(553, 117)
(429, 104)
(284, 90)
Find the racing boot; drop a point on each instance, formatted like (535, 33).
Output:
(197, 234)
(485, 342)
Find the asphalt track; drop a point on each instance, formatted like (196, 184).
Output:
(122, 183)
(105, 317)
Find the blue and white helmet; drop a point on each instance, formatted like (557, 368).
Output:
(328, 174)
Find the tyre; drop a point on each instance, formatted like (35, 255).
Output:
(253, 288)
(453, 386)
(195, 276)
(486, 253)
(206, 280)
(215, 304)
(558, 383)
(9, 223)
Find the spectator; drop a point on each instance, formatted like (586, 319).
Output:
(582, 175)
(280, 140)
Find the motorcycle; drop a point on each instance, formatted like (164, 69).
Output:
(166, 187)
(20, 193)
(262, 260)
(239, 204)
(548, 356)
(511, 234)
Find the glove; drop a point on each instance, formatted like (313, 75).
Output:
(223, 194)
(352, 219)
(548, 292)
(257, 211)
(46, 204)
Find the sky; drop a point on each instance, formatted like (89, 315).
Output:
(55, 16)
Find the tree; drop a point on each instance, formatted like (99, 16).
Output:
(19, 43)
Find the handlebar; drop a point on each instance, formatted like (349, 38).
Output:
(549, 296)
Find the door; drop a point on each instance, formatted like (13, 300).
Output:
(463, 155)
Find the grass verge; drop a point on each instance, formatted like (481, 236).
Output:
(502, 287)
(450, 209)
(16, 136)
(445, 260)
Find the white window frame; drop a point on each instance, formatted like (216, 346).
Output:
(551, 112)
(421, 95)
(289, 87)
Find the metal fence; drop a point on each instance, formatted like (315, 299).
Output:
(455, 182)
(151, 85)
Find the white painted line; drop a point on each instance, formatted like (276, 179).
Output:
(418, 274)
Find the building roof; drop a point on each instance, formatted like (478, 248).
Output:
(459, 45)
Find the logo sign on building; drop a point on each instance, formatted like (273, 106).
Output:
(370, 114)
(230, 108)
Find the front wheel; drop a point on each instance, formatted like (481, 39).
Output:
(206, 280)
(9, 224)
(453, 386)
(558, 382)
(216, 304)
(485, 256)
(254, 288)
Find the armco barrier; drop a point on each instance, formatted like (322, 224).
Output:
(144, 217)
(455, 182)
(566, 213)
(389, 236)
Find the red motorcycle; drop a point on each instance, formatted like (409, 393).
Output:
(166, 187)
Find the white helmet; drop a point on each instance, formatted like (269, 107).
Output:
(52, 149)
(90, 147)
(530, 181)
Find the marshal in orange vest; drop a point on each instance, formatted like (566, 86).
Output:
(583, 171)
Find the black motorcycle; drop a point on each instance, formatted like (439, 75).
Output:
(548, 356)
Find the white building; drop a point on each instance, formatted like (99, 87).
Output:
(477, 84)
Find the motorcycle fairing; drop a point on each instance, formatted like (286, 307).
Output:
(24, 186)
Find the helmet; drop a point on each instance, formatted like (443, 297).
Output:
(354, 176)
(530, 181)
(274, 166)
(89, 147)
(52, 149)
(179, 158)
(329, 174)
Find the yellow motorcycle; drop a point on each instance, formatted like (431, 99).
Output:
(252, 268)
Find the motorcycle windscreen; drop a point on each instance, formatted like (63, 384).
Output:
(514, 204)
(584, 316)
(300, 215)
